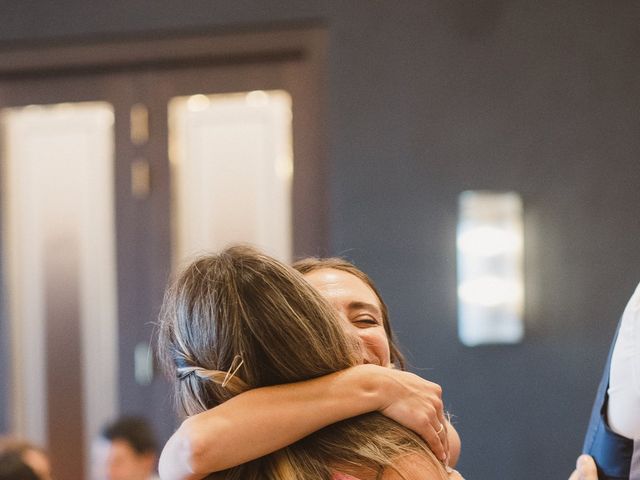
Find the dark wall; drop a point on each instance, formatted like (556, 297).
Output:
(429, 98)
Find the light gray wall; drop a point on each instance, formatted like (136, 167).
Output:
(429, 98)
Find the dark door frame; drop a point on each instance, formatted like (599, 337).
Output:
(82, 56)
(174, 51)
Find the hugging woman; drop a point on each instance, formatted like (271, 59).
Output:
(239, 325)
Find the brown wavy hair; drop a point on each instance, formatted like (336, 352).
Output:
(240, 320)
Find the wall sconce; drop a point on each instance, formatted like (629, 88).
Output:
(490, 268)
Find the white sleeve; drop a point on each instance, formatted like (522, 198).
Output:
(623, 411)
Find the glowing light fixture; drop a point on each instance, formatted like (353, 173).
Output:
(198, 103)
(257, 98)
(490, 268)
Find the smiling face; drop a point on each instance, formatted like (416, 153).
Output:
(358, 308)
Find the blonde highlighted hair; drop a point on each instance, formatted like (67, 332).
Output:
(240, 320)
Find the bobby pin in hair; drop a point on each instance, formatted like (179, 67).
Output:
(230, 374)
(185, 370)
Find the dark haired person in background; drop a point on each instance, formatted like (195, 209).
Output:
(126, 450)
(13, 467)
(21, 460)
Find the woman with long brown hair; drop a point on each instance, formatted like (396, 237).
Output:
(240, 321)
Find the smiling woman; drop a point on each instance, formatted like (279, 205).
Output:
(353, 295)
(260, 421)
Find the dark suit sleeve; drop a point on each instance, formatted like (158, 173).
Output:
(611, 452)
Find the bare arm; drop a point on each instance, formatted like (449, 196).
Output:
(260, 421)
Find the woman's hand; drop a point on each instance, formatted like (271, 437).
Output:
(417, 404)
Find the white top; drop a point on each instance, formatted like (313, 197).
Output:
(623, 411)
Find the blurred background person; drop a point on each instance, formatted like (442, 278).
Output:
(13, 467)
(21, 460)
(125, 450)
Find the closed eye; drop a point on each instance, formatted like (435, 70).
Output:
(365, 321)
